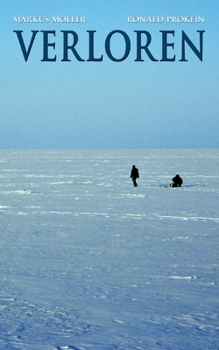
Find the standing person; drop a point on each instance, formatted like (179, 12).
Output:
(134, 175)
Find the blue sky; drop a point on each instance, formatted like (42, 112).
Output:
(109, 104)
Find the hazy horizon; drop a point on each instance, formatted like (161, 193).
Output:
(109, 105)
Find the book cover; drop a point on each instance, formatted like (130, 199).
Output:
(105, 106)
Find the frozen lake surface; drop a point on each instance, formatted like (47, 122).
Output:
(87, 261)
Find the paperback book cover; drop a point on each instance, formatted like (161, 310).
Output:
(109, 175)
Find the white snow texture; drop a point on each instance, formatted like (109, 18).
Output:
(88, 261)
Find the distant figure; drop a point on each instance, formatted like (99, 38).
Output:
(176, 181)
(134, 175)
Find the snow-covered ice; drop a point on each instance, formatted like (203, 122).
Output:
(87, 261)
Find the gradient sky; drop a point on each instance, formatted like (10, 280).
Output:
(109, 104)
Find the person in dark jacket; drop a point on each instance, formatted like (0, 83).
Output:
(134, 175)
(176, 181)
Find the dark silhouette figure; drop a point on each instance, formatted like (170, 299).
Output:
(176, 181)
(134, 175)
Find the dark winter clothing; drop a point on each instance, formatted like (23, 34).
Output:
(134, 175)
(176, 181)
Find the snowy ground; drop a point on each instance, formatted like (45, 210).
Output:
(87, 261)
